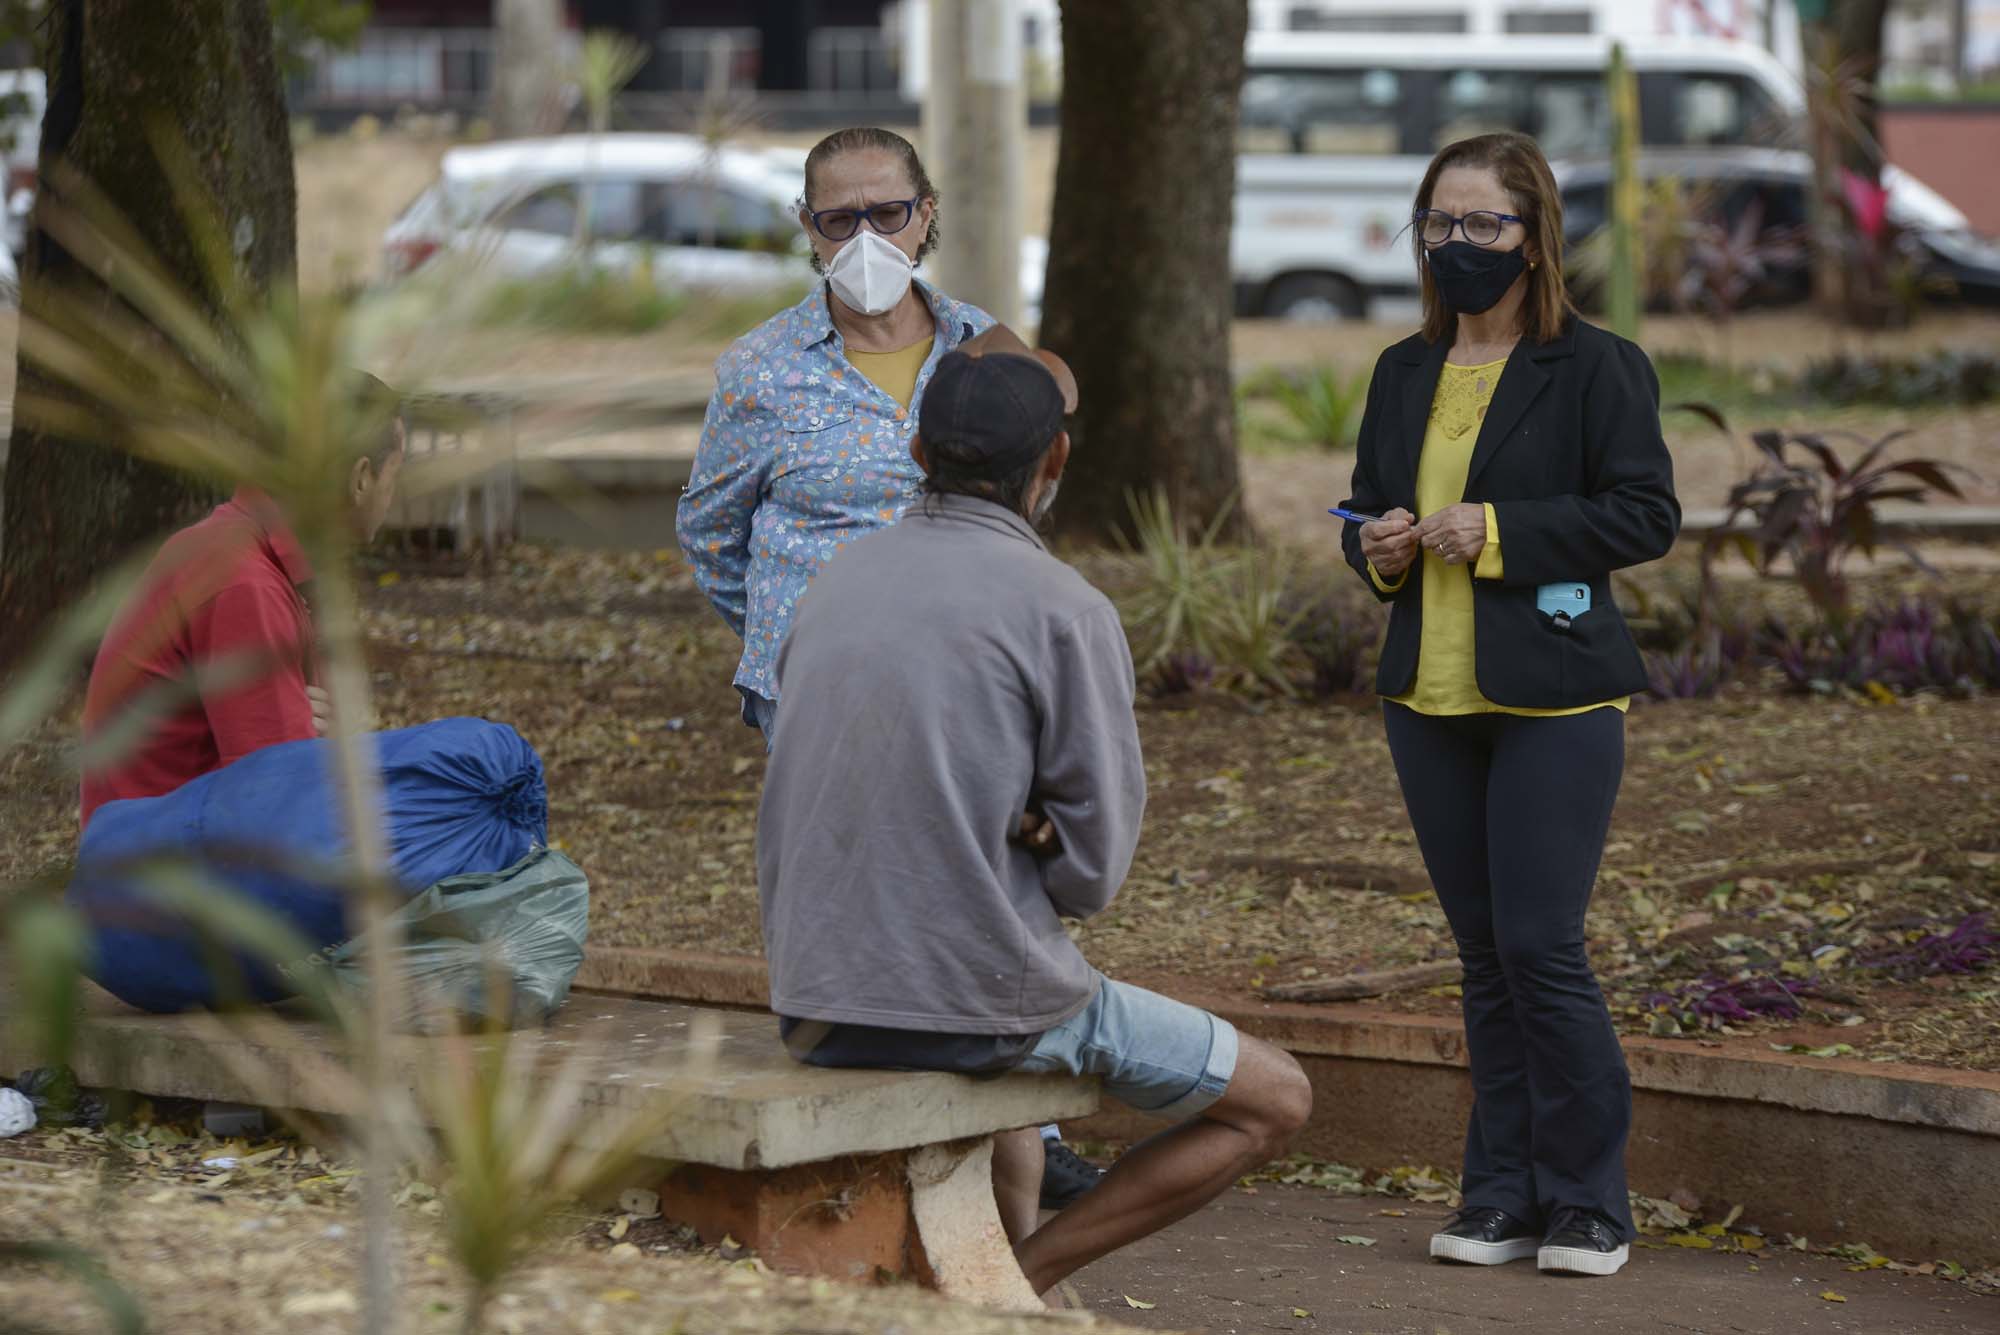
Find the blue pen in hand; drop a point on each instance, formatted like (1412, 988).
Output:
(1354, 516)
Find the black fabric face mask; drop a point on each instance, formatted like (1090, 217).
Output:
(1472, 279)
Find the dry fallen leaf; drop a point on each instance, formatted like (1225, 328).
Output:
(1831, 1296)
(621, 1226)
(1143, 1306)
(319, 1304)
(1302, 1312)
(639, 1202)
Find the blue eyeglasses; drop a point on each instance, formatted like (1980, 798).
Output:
(1482, 227)
(888, 218)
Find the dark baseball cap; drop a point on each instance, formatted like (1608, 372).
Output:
(996, 413)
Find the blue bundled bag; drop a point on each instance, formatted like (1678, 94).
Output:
(459, 796)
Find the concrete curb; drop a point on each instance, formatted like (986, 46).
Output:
(1957, 523)
(1904, 1157)
(1929, 1096)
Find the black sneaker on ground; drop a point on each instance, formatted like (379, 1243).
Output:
(1483, 1235)
(1065, 1176)
(1581, 1242)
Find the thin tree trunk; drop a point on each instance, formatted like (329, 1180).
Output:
(1843, 46)
(1139, 291)
(205, 71)
(528, 71)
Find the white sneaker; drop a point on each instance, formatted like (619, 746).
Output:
(1581, 1242)
(1483, 1235)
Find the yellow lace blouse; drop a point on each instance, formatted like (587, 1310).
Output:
(1446, 680)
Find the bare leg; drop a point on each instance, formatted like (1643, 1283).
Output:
(1017, 1181)
(1178, 1171)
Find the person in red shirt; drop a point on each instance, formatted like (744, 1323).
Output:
(212, 657)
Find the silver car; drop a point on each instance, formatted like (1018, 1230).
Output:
(719, 220)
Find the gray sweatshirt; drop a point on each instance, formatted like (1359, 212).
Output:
(941, 677)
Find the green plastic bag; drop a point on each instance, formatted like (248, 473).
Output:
(485, 948)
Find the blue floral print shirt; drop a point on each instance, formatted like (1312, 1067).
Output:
(800, 454)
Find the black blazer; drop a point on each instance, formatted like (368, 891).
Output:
(1571, 457)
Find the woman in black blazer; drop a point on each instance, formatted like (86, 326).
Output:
(1513, 454)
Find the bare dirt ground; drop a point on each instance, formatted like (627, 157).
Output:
(274, 1244)
(242, 1237)
(1801, 838)
(1289, 491)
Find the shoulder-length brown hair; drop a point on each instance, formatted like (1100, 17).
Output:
(1524, 174)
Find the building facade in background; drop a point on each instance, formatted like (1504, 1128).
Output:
(829, 58)
(437, 55)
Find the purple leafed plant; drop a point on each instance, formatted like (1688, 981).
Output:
(1906, 647)
(1971, 945)
(1714, 1002)
(1805, 503)
(1182, 674)
(1687, 673)
(1910, 650)
(1979, 643)
(1334, 642)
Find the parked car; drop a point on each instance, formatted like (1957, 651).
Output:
(1771, 189)
(717, 220)
(1336, 129)
(23, 96)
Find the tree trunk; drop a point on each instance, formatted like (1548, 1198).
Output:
(528, 70)
(1139, 293)
(1843, 47)
(207, 72)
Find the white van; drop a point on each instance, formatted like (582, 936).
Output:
(24, 95)
(1337, 129)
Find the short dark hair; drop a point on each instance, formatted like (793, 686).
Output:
(859, 138)
(374, 402)
(950, 476)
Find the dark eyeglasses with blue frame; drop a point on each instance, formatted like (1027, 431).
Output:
(887, 218)
(1482, 227)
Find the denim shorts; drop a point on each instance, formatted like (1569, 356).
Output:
(1155, 1054)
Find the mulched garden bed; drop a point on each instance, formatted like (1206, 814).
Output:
(1831, 857)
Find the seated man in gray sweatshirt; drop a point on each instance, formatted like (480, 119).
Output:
(957, 770)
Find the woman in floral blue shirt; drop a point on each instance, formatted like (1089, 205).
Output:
(806, 445)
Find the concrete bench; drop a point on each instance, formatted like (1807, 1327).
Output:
(854, 1174)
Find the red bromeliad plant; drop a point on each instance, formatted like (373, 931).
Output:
(1815, 510)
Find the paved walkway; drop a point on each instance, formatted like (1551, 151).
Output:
(1251, 1262)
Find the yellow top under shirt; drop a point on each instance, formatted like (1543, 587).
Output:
(1446, 681)
(894, 373)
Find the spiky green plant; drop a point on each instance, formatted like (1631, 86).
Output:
(253, 389)
(1622, 290)
(1167, 614)
(1322, 406)
(605, 64)
(1226, 607)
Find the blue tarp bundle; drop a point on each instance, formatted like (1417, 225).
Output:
(459, 796)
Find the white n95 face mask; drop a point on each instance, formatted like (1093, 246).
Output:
(870, 273)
